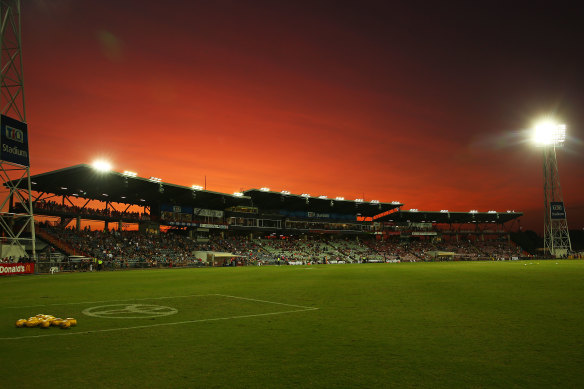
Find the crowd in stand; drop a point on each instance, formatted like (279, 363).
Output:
(54, 207)
(423, 250)
(128, 247)
(248, 249)
(11, 259)
(329, 226)
(294, 249)
(119, 249)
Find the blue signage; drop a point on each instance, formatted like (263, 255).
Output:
(13, 141)
(176, 208)
(557, 210)
(316, 215)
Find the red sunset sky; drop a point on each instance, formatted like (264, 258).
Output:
(388, 100)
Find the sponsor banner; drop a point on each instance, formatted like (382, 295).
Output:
(424, 233)
(207, 212)
(316, 215)
(220, 226)
(420, 225)
(176, 208)
(182, 224)
(319, 215)
(13, 141)
(557, 210)
(7, 269)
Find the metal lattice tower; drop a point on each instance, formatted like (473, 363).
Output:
(556, 233)
(16, 212)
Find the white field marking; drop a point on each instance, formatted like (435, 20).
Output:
(139, 311)
(163, 324)
(160, 298)
(112, 301)
(265, 301)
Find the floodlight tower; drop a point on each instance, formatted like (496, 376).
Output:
(16, 212)
(550, 135)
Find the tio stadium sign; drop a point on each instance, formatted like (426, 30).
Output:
(13, 141)
(557, 210)
(8, 269)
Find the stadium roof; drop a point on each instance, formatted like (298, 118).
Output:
(271, 200)
(86, 182)
(447, 217)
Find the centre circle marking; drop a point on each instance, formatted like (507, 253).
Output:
(130, 311)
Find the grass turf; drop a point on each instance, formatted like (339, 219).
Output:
(487, 324)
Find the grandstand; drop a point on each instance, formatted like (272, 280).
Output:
(149, 223)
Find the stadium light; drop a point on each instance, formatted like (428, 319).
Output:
(265, 189)
(358, 200)
(339, 198)
(101, 165)
(322, 197)
(305, 195)
(492, 212)
(155, 179)
(237, 194)
(130, 173)
(549, 133)
(286, 192)
(374, 201)
(414, 210)
(197, 187)
(443, 211)
(395, 202)
(473, 211)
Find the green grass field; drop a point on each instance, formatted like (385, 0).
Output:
(498, 324)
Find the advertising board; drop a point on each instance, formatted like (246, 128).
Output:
(14, 141)
(9, 269)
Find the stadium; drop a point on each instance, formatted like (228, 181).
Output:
(181, 226)
(115, 279)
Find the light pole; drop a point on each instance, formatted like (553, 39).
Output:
(16, 211)
(550, 135)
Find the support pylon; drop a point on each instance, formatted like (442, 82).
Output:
(16, 212)
(556, 234)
